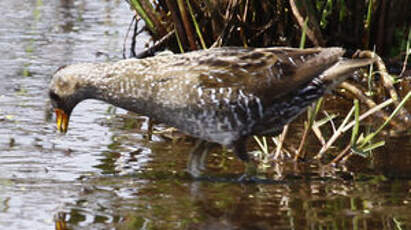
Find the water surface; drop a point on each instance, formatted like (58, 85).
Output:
(104, 174)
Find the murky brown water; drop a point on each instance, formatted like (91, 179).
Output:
(105, 175)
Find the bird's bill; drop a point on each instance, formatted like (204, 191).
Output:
(62, 120)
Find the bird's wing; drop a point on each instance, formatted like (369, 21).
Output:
(264, 72)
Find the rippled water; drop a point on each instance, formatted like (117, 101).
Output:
(104, 174)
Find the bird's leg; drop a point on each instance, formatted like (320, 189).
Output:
(150, 129)
(197, 155)
(240, 149)
(208, 147)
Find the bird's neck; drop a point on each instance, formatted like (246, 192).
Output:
(126, 89)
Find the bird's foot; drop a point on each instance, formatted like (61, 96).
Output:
(195, 172)
(246, 178)
(250, 174)
(197, 159)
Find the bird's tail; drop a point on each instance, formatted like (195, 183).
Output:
(343, 69)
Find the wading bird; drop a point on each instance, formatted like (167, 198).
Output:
(220, 96)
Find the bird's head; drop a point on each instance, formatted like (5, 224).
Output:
(67, 88)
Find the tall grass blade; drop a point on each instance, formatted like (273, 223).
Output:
(370, 77)
(180, 45)
(303, 34)
(140, 10)
(197, 28)
(368, 138)
(324, 121)
(262, 144)
(369, 112)
(357, 123)
(373, 146)
(335, 135)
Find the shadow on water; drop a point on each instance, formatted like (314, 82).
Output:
(105, 174)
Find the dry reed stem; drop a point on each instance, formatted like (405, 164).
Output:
(387, 82)
(343, 128)
(154, 17)
(195, 23)
(228, 29)
(244, 20)
(404, 67)
(187, 25)
(281, 142)
(368, 101)
(334, 137)
(340, 155)
(318, 134)
(299, 153)
(300, 20)
(346, 157)
(177, 22)
(368, 113)
(157, 46)
(312, 115)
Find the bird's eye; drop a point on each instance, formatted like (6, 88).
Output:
(53, 96)
(60, 68)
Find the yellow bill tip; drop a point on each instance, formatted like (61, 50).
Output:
(62, 120)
